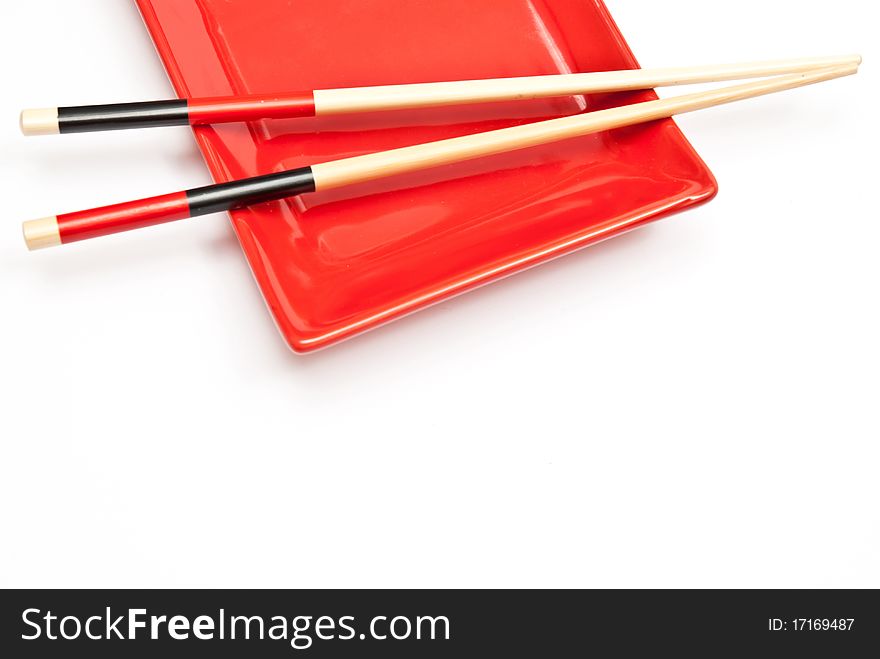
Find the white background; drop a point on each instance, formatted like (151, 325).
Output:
(694, 404)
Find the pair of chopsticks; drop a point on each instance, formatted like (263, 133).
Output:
(71, 227)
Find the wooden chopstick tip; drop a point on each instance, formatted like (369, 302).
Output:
(39, 121)
(41, 233)
(852, 69)
(854, 59)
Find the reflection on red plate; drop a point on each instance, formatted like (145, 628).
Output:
(334, 264)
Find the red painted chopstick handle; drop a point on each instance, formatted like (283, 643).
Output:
(152, 114)
(250, 108)
(81, 225)
(103, 221)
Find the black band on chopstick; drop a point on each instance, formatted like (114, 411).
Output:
(237, 194)
(150, 114)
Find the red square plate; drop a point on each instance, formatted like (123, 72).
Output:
(335, 264)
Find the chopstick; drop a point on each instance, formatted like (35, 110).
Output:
(70, 227)
(325, 102)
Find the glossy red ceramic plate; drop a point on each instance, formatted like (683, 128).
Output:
(335, 264)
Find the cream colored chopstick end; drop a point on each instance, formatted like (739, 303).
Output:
(41, 233)
(41, 121)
